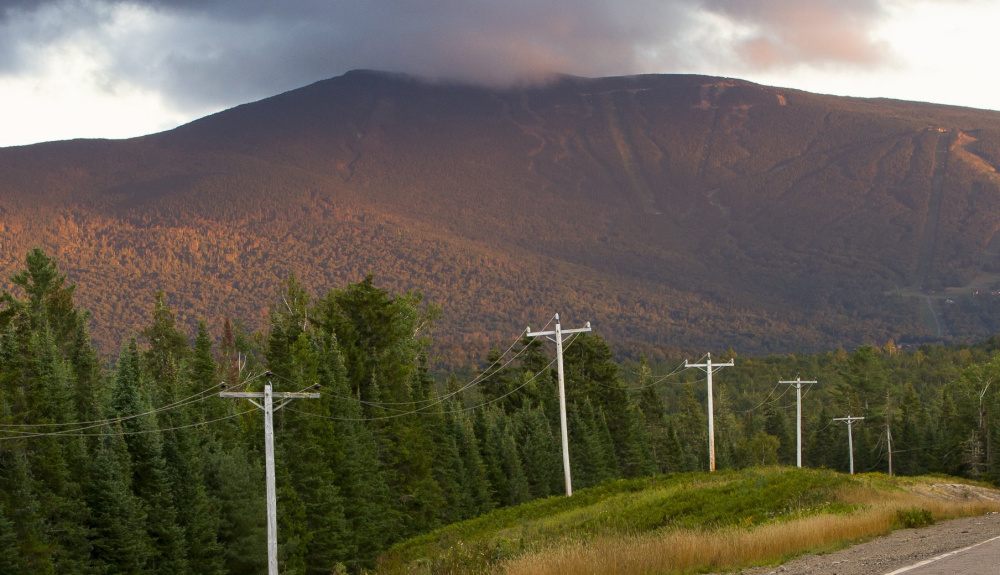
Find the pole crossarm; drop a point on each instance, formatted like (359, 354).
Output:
(798, 417)
(798, 381)
(710, 368)
(850, 435)
(558, 333)
(709, 365)
(275, 395)
(565, 331)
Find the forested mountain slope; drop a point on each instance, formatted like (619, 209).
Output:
(674, 212)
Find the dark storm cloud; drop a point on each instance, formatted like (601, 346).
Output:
(267, 47)
(204, 53)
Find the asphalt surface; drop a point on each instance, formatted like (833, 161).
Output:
(910, 552)
(978, 559)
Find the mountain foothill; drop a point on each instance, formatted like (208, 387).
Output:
(675, 212)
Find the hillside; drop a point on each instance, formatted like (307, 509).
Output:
(676, 213)
(688, 523)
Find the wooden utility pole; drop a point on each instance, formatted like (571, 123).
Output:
(888, 428)
(558, 333)
(272, 499)
(710, 368)
(798, 417)
(850, 437)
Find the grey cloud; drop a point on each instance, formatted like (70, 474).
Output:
(221, 52)
(27, 29)
(209, 53)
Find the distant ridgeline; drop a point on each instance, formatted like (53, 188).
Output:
(140, 466)
(676, 213)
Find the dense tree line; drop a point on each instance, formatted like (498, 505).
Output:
(139, 466)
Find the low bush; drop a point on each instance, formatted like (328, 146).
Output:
(912, 518)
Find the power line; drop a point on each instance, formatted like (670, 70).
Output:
(475, 381)
(98, 422)
(765, 401)
(676, 370)
(424, 412)
(70, 433)
(681, 367)
(108, 421)
(191, 399)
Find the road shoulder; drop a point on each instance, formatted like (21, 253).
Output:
(890, 552)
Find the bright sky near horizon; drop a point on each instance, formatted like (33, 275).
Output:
(122, 68)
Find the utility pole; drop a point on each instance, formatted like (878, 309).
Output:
(850, 437)
(558, 333)
(798, 417)
(709, 369)
(888, 431)
(272, 499)
(888, 440)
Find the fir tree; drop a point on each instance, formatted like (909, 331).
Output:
(150, 479)
(654, 417)
(777, 426)
(11, 560)
(121, 543)
(235, 482)
(692, 428)
(539, 451)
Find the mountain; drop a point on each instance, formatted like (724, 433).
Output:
(678, 213)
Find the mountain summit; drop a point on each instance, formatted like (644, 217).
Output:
(675, 212)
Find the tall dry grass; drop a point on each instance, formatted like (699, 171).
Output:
(685, 551)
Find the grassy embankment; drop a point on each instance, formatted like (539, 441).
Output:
(684, 523)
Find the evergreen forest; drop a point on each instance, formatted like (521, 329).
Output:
(134, 464)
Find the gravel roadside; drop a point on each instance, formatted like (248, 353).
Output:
(890, 552)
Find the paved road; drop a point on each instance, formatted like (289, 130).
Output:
(965, 541)
(979, 559)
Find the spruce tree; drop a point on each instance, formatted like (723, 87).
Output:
(20, 498)
(654, 418)
(307, 447)
(235, 482)
(150, 478)
(777, 426)
(11, 560)
(692, 428)
(539, 451)
(477, 497)
(121, 543)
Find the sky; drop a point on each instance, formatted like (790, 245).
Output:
(119, 68)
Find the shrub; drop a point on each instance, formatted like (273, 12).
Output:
(914, 517)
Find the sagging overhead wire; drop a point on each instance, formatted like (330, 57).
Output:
(766, 402)
(73, 432)
(15, 428)
(475, 381)
(422, 411)
(204, 394)
(657, 381)
(442, 399)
